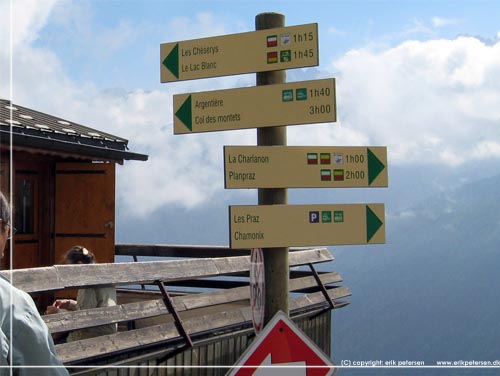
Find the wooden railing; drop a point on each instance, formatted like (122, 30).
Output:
(191, 315)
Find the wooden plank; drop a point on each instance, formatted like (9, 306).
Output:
(318, 298)
(307, 282)
(134, 273)
(318, 255)
(93, 347)
(62, 322)
(241, 293)
(194, 251)
(210, 283)
(219, 297)
(79, 276)
(181, 251)
(35, 279)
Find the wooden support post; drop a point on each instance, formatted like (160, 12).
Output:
(322, 287)
(171, 309)
(143, 287)
(276, 268)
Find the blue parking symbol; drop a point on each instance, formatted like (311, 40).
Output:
(314, 217)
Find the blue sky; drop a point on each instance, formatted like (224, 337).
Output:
(134, 29)
(420, 77)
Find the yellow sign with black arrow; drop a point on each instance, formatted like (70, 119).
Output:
(268, 226)
(255, 51)
(305, 102)
(305, 166)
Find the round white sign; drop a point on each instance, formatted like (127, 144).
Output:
(257, 288)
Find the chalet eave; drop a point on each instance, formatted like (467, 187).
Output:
(74, 148)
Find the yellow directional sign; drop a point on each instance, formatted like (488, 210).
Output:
(305, 166)
(256, 51)
(303, 102)
(268, 226)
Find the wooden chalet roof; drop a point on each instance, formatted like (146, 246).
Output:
(34, 129)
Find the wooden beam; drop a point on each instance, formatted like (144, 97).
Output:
(276, 272)
(61, 277)
(209, 283)
(62, 322)
(181, 251)
(125, 341)
(186, 251)
(173, 311)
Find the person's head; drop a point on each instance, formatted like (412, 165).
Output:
(4, 222)
(79, 255)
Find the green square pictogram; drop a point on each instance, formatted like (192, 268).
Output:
(338, 216)
(287, 95)
(326, 216)
(286, 56)
(301, 94)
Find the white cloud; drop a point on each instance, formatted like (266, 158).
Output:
(183, 170)
(487, 150)
(417, 27)
(440, 21)
(430, 102)
(186, 170)
(334, 31)
(403, 215)
(29, 17)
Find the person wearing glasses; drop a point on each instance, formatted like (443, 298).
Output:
(26, 346)
(86, 298)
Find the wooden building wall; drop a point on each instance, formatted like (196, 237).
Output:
(56, 205)
(85, 208)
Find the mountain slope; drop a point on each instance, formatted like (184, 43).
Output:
(430, 293)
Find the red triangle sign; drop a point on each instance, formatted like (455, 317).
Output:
(283, 348)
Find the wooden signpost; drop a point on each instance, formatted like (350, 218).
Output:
(272, 166)
(276, 261)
